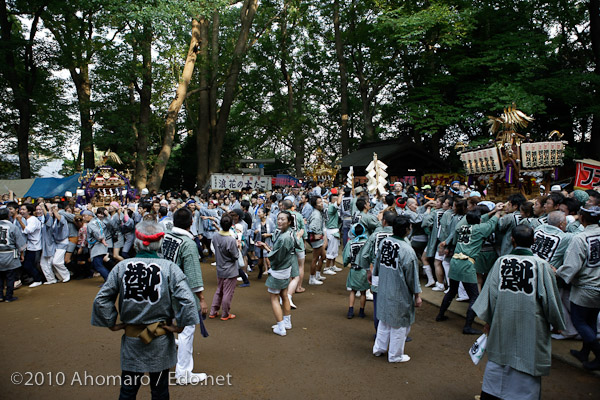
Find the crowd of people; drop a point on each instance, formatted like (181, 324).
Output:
(546, 249)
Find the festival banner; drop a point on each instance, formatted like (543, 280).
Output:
(239, 182)
(588, 174)
(286, 180)
(441, 179)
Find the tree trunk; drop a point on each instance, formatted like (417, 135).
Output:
(141, 162)
(23, 139)
(247, 15)
(83, 87)
(21, 79)
(339, 50)
(367, 112)
(594, 10)
(298, 145)
(204, 119)
(174, 107)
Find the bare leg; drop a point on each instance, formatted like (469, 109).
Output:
(116, 255)
(439, 271)
(479, 281)
(276, 307)
(293, 285)
(352, 298)
(313, 265)
(363, 298)
(300, 289)
(285, 302)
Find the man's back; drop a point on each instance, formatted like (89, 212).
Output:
(226, 254)
(520, 300)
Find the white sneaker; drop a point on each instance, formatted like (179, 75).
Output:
(439, 287)
(214, 264)
(239, 279)
(369, 295)
(336, 269)
(287, 326)
(329, 271)
(49, 282)
(35, 284)
(446, 291)
(430, 283)
(191, 378)
(403, 358)
(321, 278)
(463, 298)
(278, 331)
(66, 280)
(292, 305)
(18, 284)
(314, 281)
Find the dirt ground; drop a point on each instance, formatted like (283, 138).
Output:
(47, 335)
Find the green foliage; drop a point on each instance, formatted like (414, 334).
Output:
(432, 72)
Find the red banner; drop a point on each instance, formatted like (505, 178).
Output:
(588, 174)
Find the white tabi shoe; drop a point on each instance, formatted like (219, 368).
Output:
(314, 281)
(278, 331)
(402, 359)
(191, 378)
(439, 287)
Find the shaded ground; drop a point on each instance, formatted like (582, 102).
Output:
(325, 355)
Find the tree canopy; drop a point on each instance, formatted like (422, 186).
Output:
(182, 89)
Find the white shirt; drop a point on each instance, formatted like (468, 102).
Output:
(33, 231)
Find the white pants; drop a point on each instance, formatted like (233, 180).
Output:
(185, 351)
(462, 293)
(333, 244)
(392, 338)
(58, 261)
(446, 265)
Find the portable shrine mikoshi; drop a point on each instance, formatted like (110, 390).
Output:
(104, 185)
(322, 170)
(512, 163)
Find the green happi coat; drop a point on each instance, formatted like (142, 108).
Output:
(506, 224)
(431, 224)
(179, 246)
(469, 241)
(282, 257)
(520, 300)
(297, 225)
(148, 289)
(551, 244)
(333, 217)
(357, 276)
(581, 267)
(368, 253)
(398, 270)
(369, 221)
(316, 225)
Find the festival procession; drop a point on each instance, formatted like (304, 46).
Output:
(272, 207)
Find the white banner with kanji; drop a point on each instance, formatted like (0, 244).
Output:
(239, 182)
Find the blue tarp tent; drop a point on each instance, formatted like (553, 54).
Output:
(50, 187)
